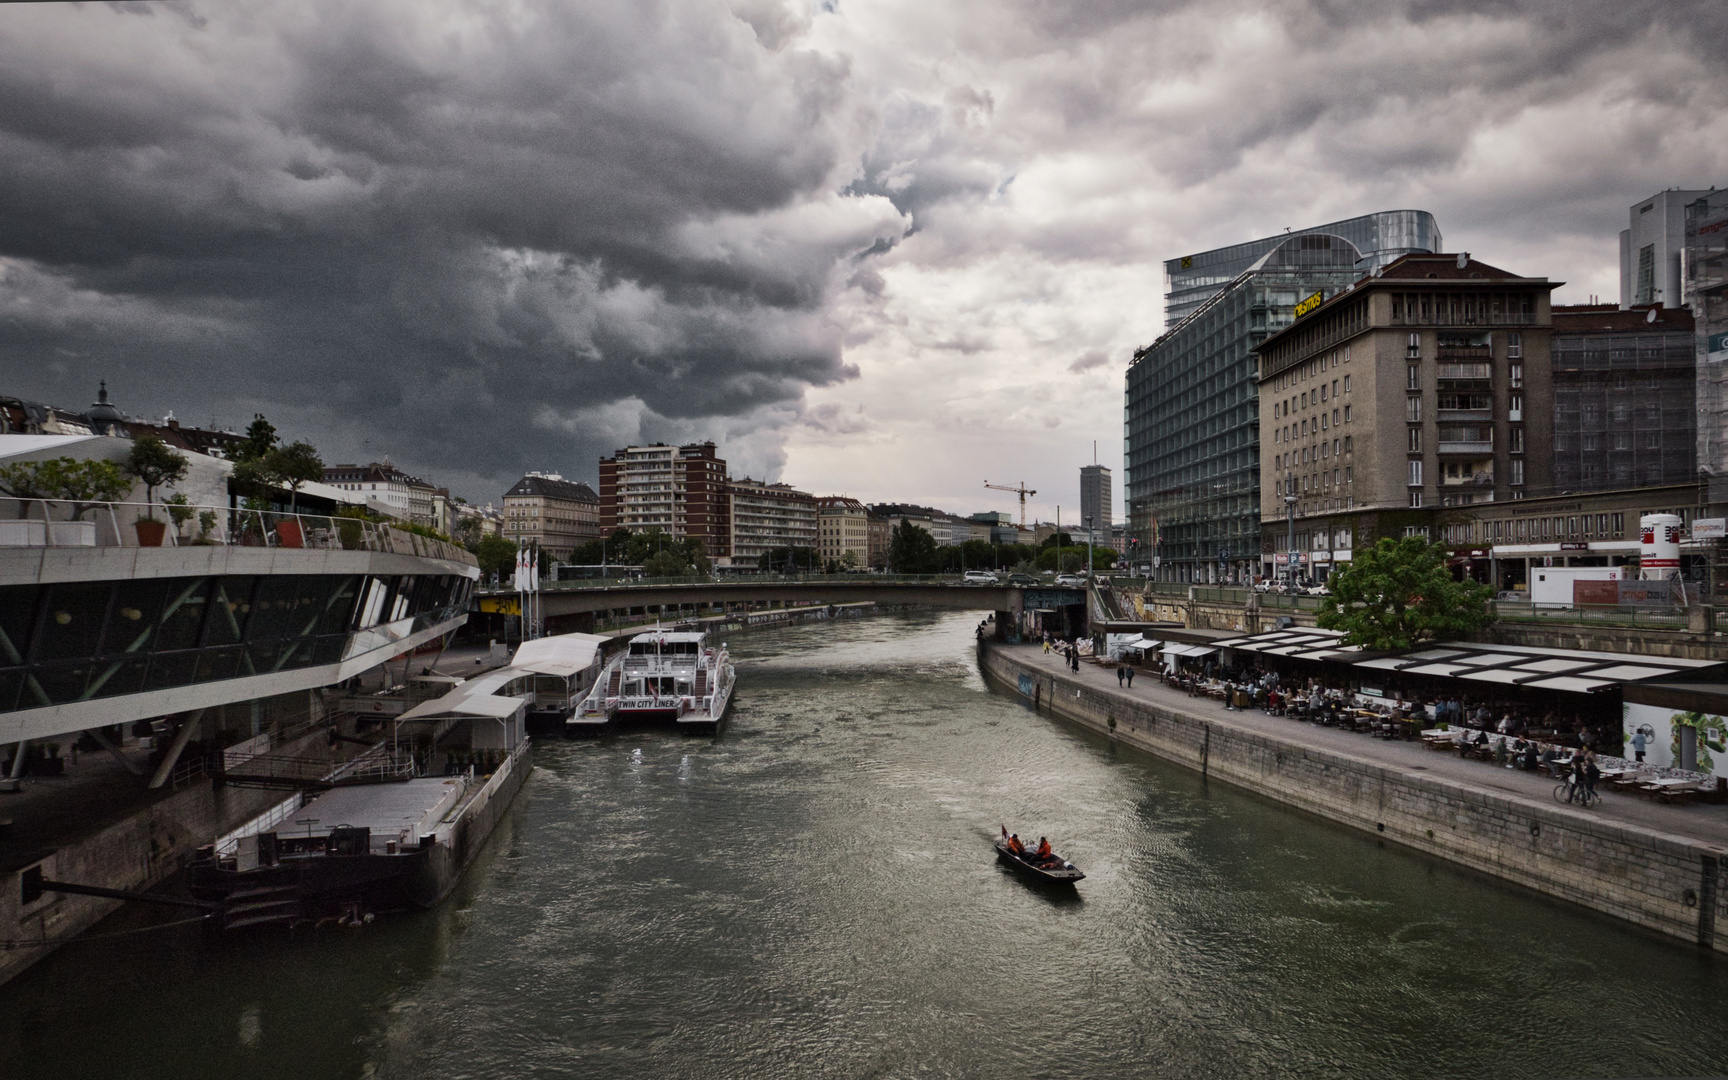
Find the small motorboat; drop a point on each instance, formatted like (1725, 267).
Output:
(1055, 870)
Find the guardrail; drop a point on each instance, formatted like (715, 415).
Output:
(1595, 614)
(784, 579)
(62, 523)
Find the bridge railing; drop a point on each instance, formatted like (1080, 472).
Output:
(754, 579)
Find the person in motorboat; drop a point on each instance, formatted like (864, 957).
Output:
(1044, 855)
(1015, 846)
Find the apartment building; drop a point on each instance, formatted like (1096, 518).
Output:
(1397, 403)
(678, 490)
(842, 530)
(546, 511)
(1624, 394)
(766, 516)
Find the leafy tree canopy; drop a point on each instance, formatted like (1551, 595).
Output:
(1398, 594)
(260, 439)
(154, 463)
(667, 564)
(495, 555)
(82, 483)
(912, 550)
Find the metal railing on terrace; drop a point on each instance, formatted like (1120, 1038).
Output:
(35, 523)
(1595, 614)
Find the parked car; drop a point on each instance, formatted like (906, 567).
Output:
(1070, 579)
(1022, 579)
(979, 577)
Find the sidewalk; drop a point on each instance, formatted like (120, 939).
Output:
(1705, 823)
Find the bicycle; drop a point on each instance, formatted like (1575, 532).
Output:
(1583, 797)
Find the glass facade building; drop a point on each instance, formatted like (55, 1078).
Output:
(1191, 410)
(1705, 273)
(1379, 238)
(1623, 398)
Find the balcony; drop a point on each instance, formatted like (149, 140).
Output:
(1463, 416)
(1473, 449)
(1464, 352)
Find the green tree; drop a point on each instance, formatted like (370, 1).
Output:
(154, 463)
(496, 555)
(912, 550)
(790, 559)
(667, 564)
(1398, 594)
(23, 480)
(84, 484)
(260, 440)
(293, 466)
(467, 531)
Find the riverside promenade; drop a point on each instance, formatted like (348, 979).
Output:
(1656, 865)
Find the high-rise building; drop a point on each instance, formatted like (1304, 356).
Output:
(1191, 427)
(1623, 397)
(1396, 403)
(1097, 505)
(678, 490)
(1706, 283)
(1650, 249)
(1379, 238)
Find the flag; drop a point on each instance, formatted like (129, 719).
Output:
(517, 581)
(533, 572)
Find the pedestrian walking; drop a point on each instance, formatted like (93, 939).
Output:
(1130, 670)
(1638, 742)
(1121, 673)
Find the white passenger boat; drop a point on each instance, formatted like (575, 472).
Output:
(663, 674)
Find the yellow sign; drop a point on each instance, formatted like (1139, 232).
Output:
(1187, 262)
(501, 606)
(1309, 304)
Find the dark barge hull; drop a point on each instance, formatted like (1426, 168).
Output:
(313, 887)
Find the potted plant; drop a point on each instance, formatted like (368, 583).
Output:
(154, 463)
(206, 522)
(180, 510)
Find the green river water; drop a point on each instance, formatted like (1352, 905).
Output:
(813, 895)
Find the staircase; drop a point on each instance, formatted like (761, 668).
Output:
(270, 905)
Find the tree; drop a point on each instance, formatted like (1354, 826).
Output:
(790, 560)
(667, 564)
(84, 484)
(1400, 593)
(467, 531)
(154, 463)
(912, 550)
(495, 555)
(293, 466)
(260, 440)
(23, 480)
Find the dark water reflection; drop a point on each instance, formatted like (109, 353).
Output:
(811, 896)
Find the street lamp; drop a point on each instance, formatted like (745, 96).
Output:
(1290, 512)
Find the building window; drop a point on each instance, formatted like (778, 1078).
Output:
(1348, 477)
(1515, 440)
(1412, 377)
(1514, 345)
(1346, 384)
(1415, 473)
(1346, 414)
(1517, 472)
(1619, 524)
(1413, 410)
(1515, 407)
(1517, 376)
(1415, 440)
(1415, 347)
(1571, 526)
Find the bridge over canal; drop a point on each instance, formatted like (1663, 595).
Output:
(577, 605)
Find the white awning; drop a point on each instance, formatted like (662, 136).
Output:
(563, 655)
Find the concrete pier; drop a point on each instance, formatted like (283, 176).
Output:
(1657, 866)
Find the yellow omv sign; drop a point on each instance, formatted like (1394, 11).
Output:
(1309, 304)
(501, 606)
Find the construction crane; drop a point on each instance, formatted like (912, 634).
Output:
(1022, 490)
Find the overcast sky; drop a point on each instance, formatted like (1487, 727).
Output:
(890, 249)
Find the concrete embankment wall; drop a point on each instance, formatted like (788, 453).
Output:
(136, 853)
(1667, 883)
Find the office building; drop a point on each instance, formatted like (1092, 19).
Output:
(1705, 260)
(546, 511)
(1097, 504)
(1650, 249)
(1623, 397)
(1379, 238)
(1191, 425)
(1396, 403)
(677, 490)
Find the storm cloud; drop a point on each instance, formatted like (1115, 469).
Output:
(876, 248)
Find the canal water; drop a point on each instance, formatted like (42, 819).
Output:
(812, 895)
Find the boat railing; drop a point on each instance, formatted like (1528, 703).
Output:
(37, 522)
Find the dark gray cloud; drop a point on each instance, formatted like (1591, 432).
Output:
(427, 226)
